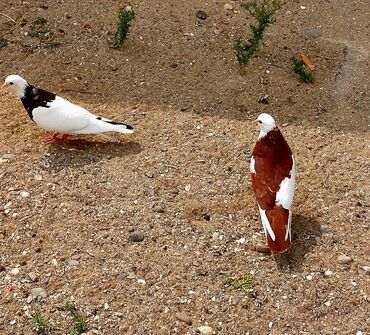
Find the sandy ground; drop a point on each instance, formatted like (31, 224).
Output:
(69, 210)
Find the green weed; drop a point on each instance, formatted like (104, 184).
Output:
(264, 14)
(79, 325)
(125, 16)
(244, 283)
(300, 69)
(42, 325)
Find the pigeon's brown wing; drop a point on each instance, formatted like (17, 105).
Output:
(272, 164)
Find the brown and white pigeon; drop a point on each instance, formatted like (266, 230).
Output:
(55, 114)
(273, 173)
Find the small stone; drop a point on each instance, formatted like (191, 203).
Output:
(76, 257)
(262, 248)
(344, 259)
(241, 240)
(54, 262)
(137, 237)
(324, 228)
(32, 276)
(106, 306)
(38, 293)
(366, 268)
(328, 273)
(327, 303)
(29, 299)
(15, 271)
(73, 262)
(24, 194)
(38, 177)
(187, 188)
(228, 6)
(8, 157)
(11, 170)
(311, 34)
(206, 330)
(201, 15)
(141, 281)
(121, 276)
(158, 209)
(184, 318)
(309, 277)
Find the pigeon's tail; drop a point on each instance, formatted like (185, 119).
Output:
(99, 125)
(118, 127)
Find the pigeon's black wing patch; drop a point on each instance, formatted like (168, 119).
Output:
(36, 97)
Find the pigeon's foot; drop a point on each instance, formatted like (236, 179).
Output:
(50, 138)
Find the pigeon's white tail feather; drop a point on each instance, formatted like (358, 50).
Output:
(98, 125)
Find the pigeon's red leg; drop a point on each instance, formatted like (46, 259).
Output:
(64, 137)
(50, 138)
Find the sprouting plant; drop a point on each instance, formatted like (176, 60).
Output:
(53, 44)
(300, 69)
(39, 20)
(244, 283)
(264, 14)
(125, 16)
(42, 325)
(79, 325)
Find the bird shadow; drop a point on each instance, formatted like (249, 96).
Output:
(305, 231)
(81, 152)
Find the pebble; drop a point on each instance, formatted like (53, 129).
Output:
(263, 248)
(206, 330)
(184, 318)
(38, 293)
(324, 228)
(328, 273)
(141, 281)
(76, 257)
(309, 277)
(264, 99)
(158, 209)
(24, 194)
(7, 158)
(344, 259)
(137, 237)
(38, 177)
(73, 262)
(106, 306)
(32, 276)
(366, 268)
(242, 240)
(311, 34)
(201, 15)
(15, 271)
(327, 303)
(228, 6)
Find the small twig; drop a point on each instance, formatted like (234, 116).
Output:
(8, 17)
(15, 27)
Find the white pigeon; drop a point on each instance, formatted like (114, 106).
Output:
(55, 114)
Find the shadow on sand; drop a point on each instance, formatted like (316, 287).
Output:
(305, 231)
(80, 152)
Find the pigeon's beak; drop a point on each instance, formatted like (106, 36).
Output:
(255, 121)
(5, 85)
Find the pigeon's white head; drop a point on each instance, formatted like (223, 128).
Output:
(266, 123)
(16, 83)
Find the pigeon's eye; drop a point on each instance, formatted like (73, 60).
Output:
(259, 121)
(11, 83)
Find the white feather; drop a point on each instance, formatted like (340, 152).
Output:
(284, 196)
(251, 165)
(266, 224)
(62, 116)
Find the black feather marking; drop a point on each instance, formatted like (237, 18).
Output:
(118, 123)
(98, 118)
(36, 97)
